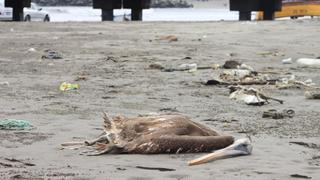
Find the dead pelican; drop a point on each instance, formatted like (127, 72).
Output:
(164, 133)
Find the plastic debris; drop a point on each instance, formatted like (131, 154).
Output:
(237, 71)
(188, 67)
(270, 53)
(235, 74)
(250, 96)
(287, 61)
(68, 86)
(309, 62)
(246, 67)
(13, 124)
(274, 114)
(32, 50)
(214, 66)
(50, 54)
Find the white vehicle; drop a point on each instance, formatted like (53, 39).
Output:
(34, 13)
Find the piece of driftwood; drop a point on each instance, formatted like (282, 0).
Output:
(250, 96)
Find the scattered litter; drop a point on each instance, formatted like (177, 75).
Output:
(312, 94)
(250, 96)
(32, 50)
(235, 74)
(309, 62)
(187, 57)
(213, 82)
(72, 145)
(5, 83)
(287, 61)
(291, 82)
(183, 67)
(214, 66)
(274, 114)
(232, 54)
(20, 161)
(156, 65)
(270, 53)
(231, 64)
(108, 97)
(247, 67)
(50, 54)
(170, 38)
(81, 78)
(245, 81)
(308, 145)
(168, 109)
(110, 58)
(300, 176)
(188, 67)
(155, 168)
(6, 165)
(13, 124)
(68, 86)
(121, 169)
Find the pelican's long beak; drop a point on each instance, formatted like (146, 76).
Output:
(238, 148)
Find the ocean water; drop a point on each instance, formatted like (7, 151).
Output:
(62, 14)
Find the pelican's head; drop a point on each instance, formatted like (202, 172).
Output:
(238, 148)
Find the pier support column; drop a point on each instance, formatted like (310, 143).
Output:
(17, 13)
(136, 14)
(107, 15)
(17, 8)
(268, 15)
(244, 16)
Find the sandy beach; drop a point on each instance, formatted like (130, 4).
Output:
(114, 58)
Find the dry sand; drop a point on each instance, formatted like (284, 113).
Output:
(115, 58)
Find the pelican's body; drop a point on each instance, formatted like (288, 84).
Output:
(155, 134)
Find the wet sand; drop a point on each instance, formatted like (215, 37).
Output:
(115, 59)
